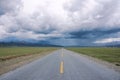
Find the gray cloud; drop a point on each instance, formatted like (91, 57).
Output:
(59, 19)
(7, 6)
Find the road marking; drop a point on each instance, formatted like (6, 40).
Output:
(62, 67)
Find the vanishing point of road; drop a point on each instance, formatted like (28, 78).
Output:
(62, 65)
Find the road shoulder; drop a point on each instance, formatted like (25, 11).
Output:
(105, 63)
(12, 64)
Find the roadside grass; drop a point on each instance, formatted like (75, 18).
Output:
(111, 55)
(7, 53)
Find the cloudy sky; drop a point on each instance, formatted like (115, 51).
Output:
(61, 22)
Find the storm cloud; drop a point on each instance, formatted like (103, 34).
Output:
(70, 21)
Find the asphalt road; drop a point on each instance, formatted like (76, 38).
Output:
(62, 65)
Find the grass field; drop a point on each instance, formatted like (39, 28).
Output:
(108, 54)
(12, 52)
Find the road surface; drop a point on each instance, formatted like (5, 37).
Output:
(62, 65)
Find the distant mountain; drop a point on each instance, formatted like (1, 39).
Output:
(23, 43)
(114, 45)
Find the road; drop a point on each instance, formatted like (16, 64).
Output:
(62, 65)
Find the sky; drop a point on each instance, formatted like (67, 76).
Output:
(61, 22)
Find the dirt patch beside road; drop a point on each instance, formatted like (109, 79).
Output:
(8, 65)
(105, 63)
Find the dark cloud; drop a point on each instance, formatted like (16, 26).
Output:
(96, 33)
(72, 22)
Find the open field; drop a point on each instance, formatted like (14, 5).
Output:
(61, 64)
(13, 52)
(111, 55)
(14, 57)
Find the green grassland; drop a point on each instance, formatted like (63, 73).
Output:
(11, 52)
(108, 54)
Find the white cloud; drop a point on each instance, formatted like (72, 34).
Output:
(36, 17)
(108, 40)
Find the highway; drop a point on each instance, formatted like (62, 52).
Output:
(62, 65)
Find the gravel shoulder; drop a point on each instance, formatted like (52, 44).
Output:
(105, 63)
(12, 64)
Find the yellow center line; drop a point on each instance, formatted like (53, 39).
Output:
(62, 67)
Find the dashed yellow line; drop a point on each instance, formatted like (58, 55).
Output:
(62, 67)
